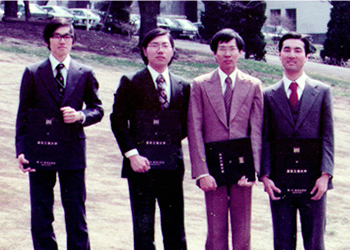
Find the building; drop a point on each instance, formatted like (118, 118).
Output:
(306, 17)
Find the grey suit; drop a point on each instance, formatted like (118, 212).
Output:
(313, 119)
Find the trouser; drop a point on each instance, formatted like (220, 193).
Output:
(73, 196)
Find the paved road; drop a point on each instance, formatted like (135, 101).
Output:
(310, 67)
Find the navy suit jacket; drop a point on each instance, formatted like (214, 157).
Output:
(315, 120)
(39, 91)
(138, 92)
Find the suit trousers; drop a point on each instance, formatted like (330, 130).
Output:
(224, 201)
(313, 222)
(166, 188)
(73, 196)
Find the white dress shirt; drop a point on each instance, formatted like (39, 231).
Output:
(301, 85)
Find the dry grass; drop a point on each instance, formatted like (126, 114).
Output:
(108, 210)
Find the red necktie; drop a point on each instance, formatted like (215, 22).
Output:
(293, 98)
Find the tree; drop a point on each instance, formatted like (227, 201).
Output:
(245, 17)
(10, 10)
(27, 10)
(337, 44)
(148, 11)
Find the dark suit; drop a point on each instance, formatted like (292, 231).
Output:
(138, 92)
(39, 91)
(312, 118)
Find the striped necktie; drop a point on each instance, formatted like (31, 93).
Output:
(161, 92)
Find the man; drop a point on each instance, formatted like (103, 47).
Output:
(306, 115)
(210, 121)
(144, 92)
(58, 85)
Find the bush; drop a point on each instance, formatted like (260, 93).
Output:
(337, 44)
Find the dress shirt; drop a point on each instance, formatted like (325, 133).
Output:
(167, 87)
(301, 85)
(64, 71)
(166, 77)
(223, 77)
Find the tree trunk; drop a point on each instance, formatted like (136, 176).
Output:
(148, 11)
(191, 9)
(27, 10)
(10, 9)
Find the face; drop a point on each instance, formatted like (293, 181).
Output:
(227, 56)
(61, 43)
(159, 52)
(293, 56)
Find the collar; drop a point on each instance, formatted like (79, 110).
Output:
(223, 77)
(155, 74)
(54, 62)
(301, 81)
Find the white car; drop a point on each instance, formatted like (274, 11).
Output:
(81, 16)
(58, 12)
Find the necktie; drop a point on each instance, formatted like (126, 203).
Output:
(161, 92)
(228, 97)
(59, 79)
(293, 98)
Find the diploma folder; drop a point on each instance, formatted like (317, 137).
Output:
(47, 144)
(296, 166)
(158, 137)
(229, 160)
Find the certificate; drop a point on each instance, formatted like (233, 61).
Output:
(296, 165)
(229, 160)
(158, 137)
(46, 139)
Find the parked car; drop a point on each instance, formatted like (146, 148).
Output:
(81, 16)
(1, 14)
(188, 29)
(168, 24)
(36, 12)
(273, 33)
(58, 12)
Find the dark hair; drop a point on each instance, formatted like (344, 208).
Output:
(53, 25)
(150, 36)
(294, 35)
(226, 35)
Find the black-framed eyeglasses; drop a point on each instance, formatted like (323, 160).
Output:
(58, 37)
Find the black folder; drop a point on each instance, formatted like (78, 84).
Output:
(46, 139)
(296, 165)
(229, 160)
(158, 137)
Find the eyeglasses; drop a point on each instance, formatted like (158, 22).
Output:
(156, 46)
(58, 37)
(224, 50)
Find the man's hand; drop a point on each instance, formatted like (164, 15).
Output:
(321, 186)
(139, 164)
(243, 182)
(270, 188)
(70, 115)
(23, 161)
(207, 183)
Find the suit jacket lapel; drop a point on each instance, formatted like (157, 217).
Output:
(214, 92)
(240, 93)
(280, 98)
(46, 76)
(150, 89)
(73, 78)
(307, 101)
